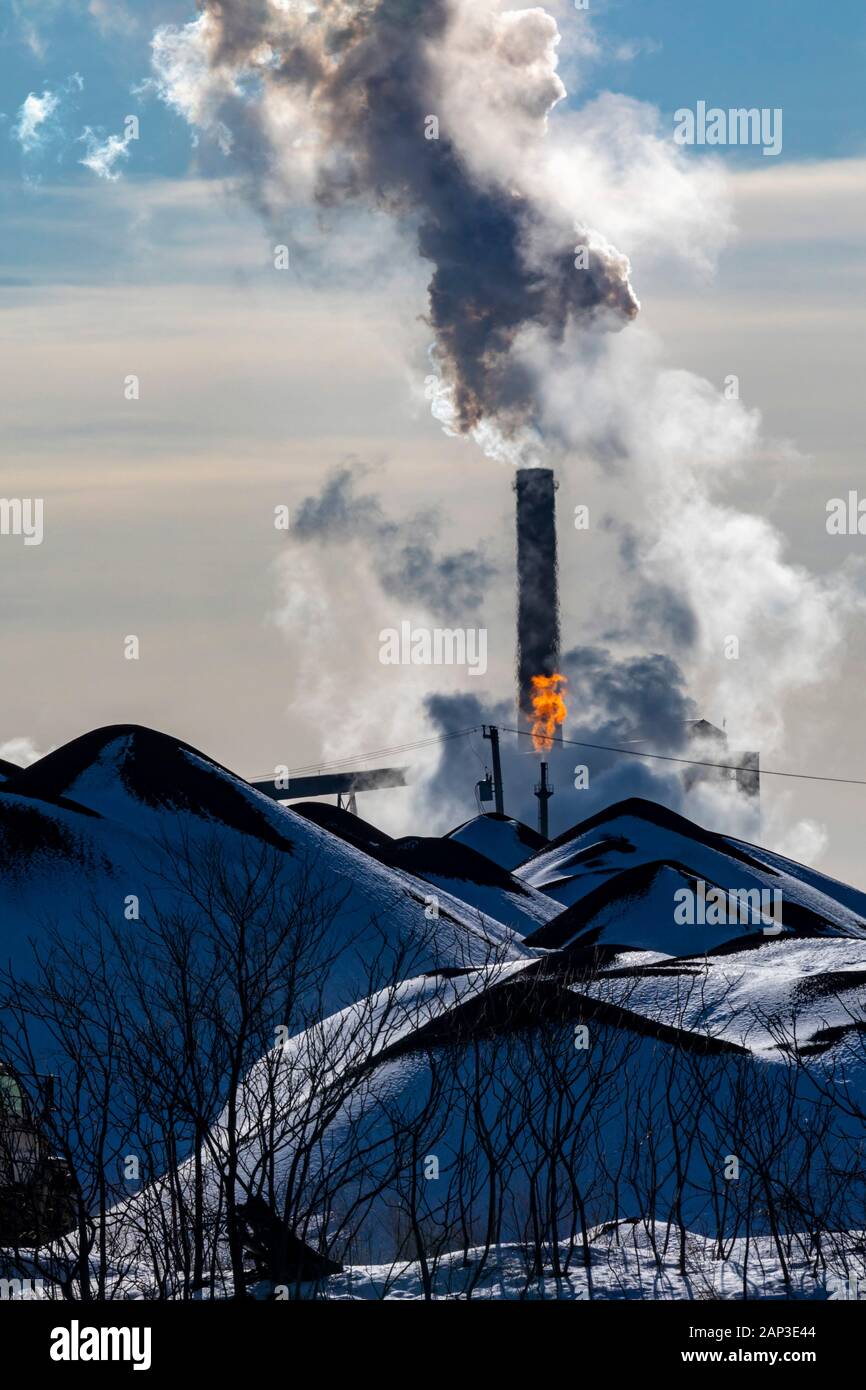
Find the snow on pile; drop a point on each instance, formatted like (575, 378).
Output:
(463, 872)
(508, 843)
(823, 884)
(372, 1093)
(637, 909)
(446, 863)
(137, 777)
(351, 1040)
(97, 820)
(520, 911)
(637, 832)
(809, 994)
(346, 825)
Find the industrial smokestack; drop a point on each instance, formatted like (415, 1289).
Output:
(544, 791)
(537, 589)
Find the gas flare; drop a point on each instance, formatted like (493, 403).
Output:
(549, 709)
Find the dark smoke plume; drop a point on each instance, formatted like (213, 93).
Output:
(358, 83)
(404, 554)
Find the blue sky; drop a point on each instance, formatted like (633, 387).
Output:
(45, 43)
(807, 59)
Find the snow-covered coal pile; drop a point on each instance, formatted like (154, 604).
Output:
(507, 842)
(637, 833)
(393, 1049)
(453, 864)
(477, 880)
(105, 818)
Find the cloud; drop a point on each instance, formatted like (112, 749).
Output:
(633, 48)
(22, 751)
(113, 17)
(337, 688)
(351, 568)
(27, 26)
(33, 125)
(185, 80)
(332, 105)
(38, 121)
(803, 202)
(103, 155)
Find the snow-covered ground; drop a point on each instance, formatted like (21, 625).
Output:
(640, 1260)
(624, 1260)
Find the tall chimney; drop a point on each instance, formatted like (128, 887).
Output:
(544, 791)
(537, 592)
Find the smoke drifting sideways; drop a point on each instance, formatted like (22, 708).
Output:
(435, 111)
(404, 554)
(614, 702)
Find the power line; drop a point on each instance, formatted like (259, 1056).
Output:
(572, 742)
(695, 762)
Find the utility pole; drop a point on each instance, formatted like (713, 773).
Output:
(544, 792)
(491, 732)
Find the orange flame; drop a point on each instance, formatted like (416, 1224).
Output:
(549, 710)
